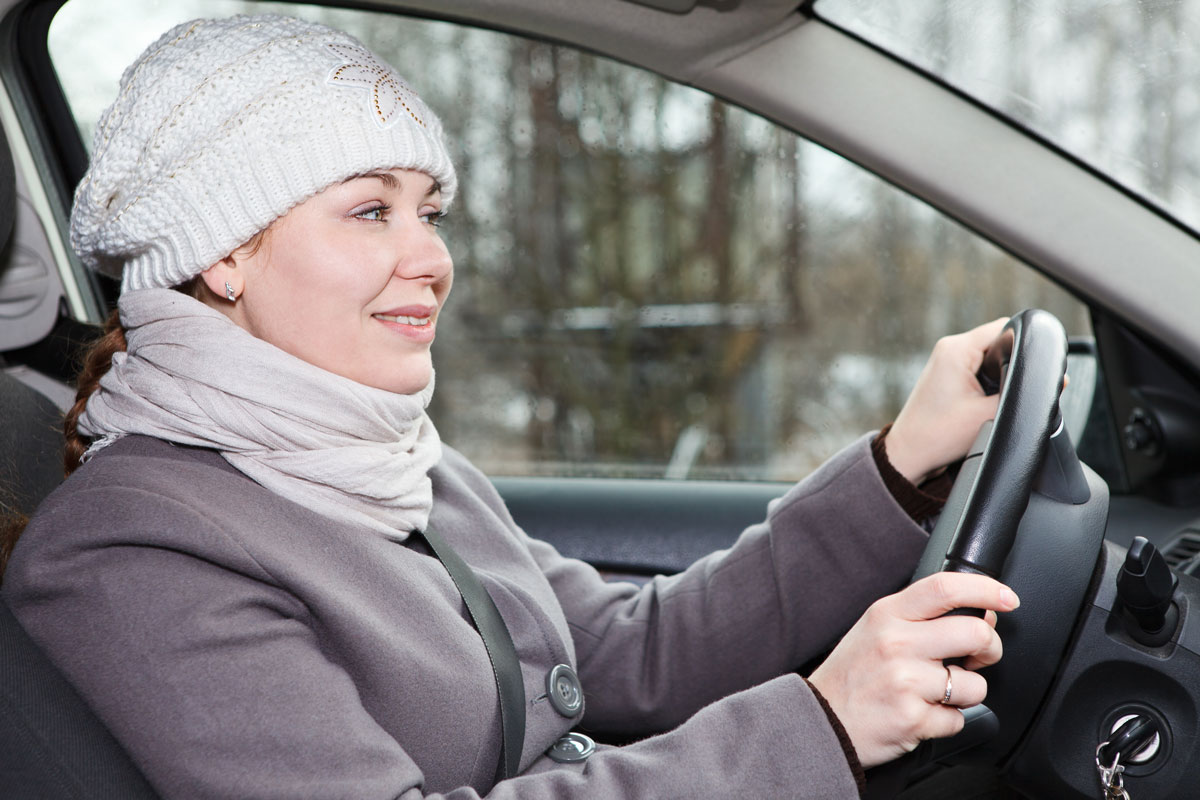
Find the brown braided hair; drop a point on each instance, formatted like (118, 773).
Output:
(12, 525)
(95, 363)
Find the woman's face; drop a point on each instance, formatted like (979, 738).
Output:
(350, 280)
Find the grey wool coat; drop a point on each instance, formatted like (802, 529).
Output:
(241, 646)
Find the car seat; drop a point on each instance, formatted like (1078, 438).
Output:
(51, 744)
(31, 445)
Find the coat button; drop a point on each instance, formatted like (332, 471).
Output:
(572, 748)
(564, 691)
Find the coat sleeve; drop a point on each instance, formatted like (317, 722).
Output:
(783, 594)
(210, 674)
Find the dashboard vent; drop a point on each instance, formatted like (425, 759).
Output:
(1182, 548)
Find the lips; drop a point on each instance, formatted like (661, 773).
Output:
(416, 322)
(408, 315)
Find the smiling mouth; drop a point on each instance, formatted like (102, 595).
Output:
(419, 322)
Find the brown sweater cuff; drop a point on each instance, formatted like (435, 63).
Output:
(856, 768)
(920, 503)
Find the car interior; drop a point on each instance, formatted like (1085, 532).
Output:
(1088, 506)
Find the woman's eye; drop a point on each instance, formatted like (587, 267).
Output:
(374, 213)
(433, 218)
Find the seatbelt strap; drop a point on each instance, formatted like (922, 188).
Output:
(500, 650)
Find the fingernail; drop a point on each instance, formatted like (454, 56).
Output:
(1010, 599)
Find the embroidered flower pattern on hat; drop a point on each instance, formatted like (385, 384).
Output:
(389, 96)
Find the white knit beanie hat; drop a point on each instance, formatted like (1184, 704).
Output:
(221, 126)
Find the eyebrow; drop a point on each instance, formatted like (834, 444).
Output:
(392, 182)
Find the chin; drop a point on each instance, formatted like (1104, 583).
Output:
(412, 381)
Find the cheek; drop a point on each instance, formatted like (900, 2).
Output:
(308, 300)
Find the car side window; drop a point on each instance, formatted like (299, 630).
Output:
(650, 282)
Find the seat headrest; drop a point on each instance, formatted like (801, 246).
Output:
(31, 290)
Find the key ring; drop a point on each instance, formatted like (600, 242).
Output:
(1114, 784)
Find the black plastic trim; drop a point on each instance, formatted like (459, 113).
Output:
(636, 527)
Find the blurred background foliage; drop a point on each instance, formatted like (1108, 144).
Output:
(650, 282)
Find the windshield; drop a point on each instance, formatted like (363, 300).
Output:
(1114, 84)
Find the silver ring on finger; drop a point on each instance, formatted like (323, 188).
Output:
(949, 688)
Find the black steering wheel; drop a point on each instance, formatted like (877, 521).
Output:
(1025, 510)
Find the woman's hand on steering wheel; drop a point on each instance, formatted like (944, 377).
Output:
(886, 681)
(946, 408)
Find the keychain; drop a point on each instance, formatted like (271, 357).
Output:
(1110, 777)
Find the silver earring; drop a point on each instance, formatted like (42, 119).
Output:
(229, 295)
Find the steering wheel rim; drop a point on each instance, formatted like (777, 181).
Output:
(1026, 364)
(1020, 479)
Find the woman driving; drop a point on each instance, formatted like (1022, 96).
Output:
(263, 570)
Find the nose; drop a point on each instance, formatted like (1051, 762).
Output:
(422, 256)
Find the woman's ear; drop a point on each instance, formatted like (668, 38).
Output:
(224, 280)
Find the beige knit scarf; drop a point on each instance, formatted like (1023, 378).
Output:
(191, 376)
